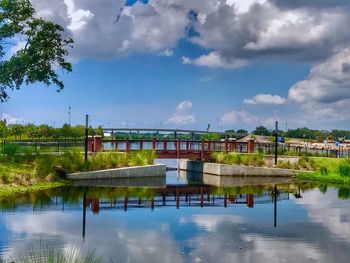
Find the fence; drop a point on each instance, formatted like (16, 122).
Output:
(285, 149)
(49, 145)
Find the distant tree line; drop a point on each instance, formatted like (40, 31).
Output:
(44, 131)
(306, 133)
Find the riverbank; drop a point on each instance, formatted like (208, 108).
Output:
(316, 169)
(25, 173)
(16, 178)
(328, 170)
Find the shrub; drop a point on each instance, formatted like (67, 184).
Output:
(73, 161)
(10, 150)
(45, 165)
(324, 170)
(344, 193)
(306, 163)
(344, 169)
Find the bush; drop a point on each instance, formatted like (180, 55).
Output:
(10, 151)
(73, 161)
(344, 193)
(324, 170)
(45, 165)
(344, 169)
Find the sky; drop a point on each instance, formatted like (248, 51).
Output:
(189, 63)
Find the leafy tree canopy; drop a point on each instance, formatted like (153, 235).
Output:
(41, 52)
(261, 130)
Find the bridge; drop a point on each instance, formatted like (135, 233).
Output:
(174, 132)
(171, 149)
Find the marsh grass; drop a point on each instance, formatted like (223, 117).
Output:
(50, 255)
(239, 159)
(329, 170)
(74, 161)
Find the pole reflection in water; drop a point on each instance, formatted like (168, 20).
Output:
(84, 213)
(275, 207)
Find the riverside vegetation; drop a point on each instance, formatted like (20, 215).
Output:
(22, 169)
(326, 170)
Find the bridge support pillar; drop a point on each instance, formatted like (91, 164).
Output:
(250, 146)
(97, 143)
(250, 200)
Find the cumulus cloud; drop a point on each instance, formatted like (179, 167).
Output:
(166, 53)
(265, 99)
(184, 106)
(10, 119)
(326, 91)
(213, 60)
(237, 117)
(234, 32)
(182, 115)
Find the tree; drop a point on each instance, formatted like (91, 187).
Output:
(3, 129)
(261, 130)
(16, 130)
(44, 49)
(242, 131)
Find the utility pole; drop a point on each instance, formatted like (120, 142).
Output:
(276, 142)
(86, 136)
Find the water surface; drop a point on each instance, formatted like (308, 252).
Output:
(184, 221)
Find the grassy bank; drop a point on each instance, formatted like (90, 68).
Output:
(325, 170)
(259, 160)
(18, 178)
(329, 170)
(23, 171)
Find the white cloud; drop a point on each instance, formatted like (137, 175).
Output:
(166, 53)
(236, 32)
(183, 114)
(326, 91)
(181, 119)
(184, 106)
(11, 119)
(236, 117)
(265, 99)
(214, 59)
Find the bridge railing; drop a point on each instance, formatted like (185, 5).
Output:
(175, 145)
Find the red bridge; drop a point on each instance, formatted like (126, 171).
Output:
(172, 149)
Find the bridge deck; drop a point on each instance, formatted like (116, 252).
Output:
(189, 149)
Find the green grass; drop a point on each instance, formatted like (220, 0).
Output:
(19, 174)
(329, 170)
(239, 159)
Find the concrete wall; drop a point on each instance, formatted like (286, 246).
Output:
(234, 170)
(126, 172)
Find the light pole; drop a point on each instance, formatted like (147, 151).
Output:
(276, 141)
(86, 136)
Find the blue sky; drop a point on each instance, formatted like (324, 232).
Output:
(145, 71)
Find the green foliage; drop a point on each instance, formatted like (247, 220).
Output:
(44, 166)
(242, 131)
(73, 161)
(324, 170)
(344, 193)
(306, 163)
(211, 137)
(344, 169)
(43, 52)
(10, 151)
(234, 158)
(323, 188)
(261, 130)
